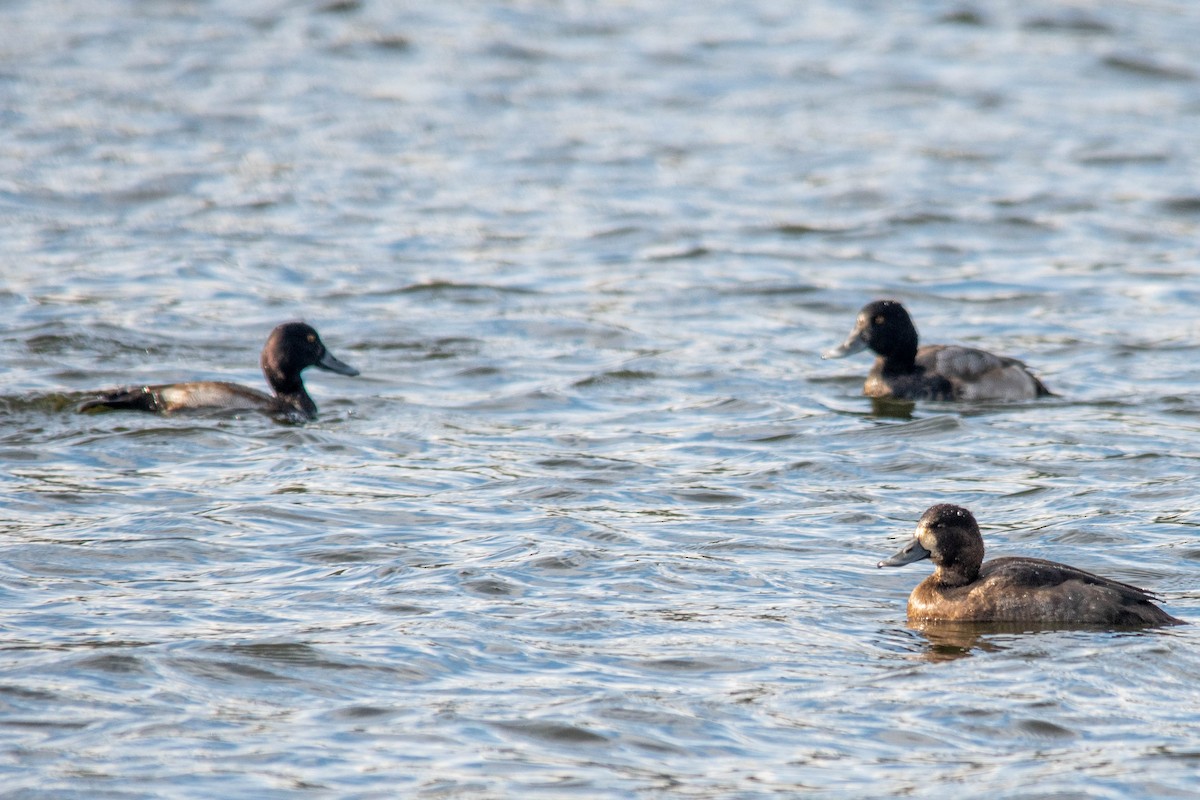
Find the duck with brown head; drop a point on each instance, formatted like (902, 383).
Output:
(963, 588)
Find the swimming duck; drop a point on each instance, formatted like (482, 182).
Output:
(290, 349)
(1015, 590)
(933, 372)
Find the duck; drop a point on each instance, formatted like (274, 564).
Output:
(1018, 590)
(290, 349)
(904, 371)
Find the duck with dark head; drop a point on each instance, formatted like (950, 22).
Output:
(904, 371)
(290, 349)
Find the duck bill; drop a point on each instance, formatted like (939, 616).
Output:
(913, 551)
(854, 343)
(328, 362)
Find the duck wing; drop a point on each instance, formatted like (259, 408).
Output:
(1061, 592)
(1039, 573)
(196, 395)
(979, 375)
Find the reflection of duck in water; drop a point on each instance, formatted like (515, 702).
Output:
(290, 349)
(934, 372)
(948, 641)
(1011, 590)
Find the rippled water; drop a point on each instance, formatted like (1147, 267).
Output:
(596, 520)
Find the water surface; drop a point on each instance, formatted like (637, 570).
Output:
(596, 520)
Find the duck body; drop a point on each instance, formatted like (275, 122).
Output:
(290, 349)
(169, 398)
(1014, 589)
(904, 371)
(1035, 591)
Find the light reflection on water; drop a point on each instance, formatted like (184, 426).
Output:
(595, 519)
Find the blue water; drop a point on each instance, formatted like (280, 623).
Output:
(596, 520)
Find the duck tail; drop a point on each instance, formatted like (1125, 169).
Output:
(136, 398)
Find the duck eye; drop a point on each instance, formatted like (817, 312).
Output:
(311, 338)
(878, 319)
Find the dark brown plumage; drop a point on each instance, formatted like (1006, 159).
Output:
(1022, 590)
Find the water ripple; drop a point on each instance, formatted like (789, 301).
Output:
(596, 520)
